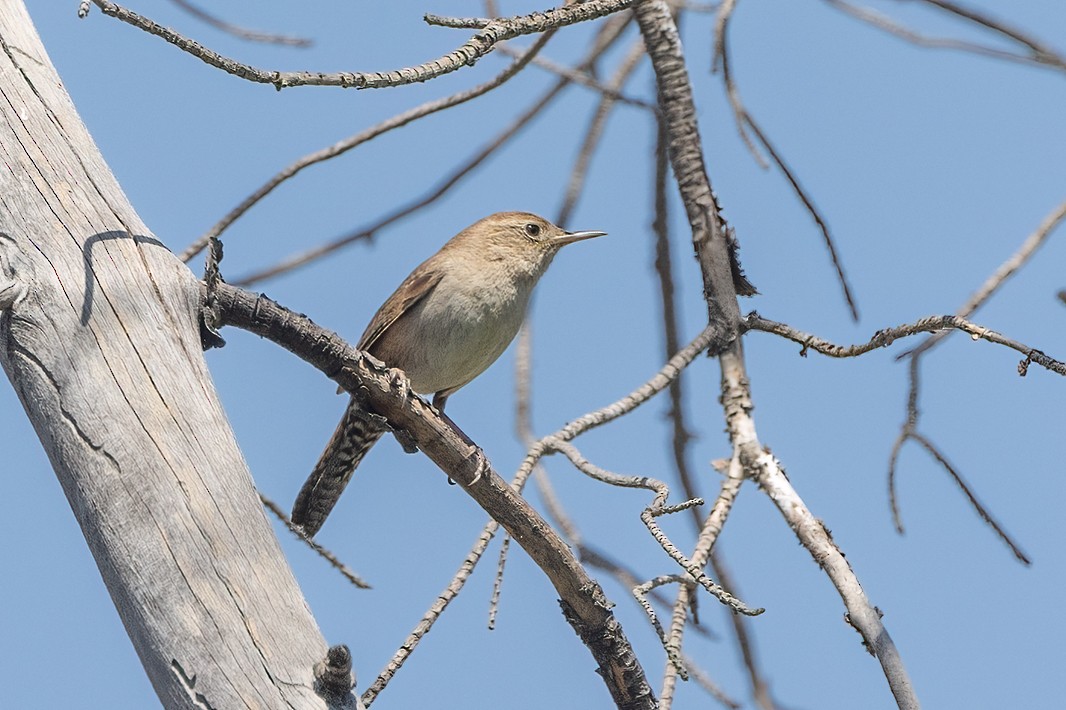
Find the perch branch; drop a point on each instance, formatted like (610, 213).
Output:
(584, 605)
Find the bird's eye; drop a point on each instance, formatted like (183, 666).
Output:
(533, 230)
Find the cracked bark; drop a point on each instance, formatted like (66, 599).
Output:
(99, 335)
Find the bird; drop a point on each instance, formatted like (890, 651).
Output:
(446, 323)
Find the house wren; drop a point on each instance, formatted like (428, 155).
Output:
(446, 323)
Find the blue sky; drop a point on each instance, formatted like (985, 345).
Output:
(930, 166)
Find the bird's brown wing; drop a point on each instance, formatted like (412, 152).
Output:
(413, 289)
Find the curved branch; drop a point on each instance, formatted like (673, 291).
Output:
(489, 35)
(884, 338)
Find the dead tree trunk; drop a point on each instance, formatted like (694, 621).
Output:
(99, 335)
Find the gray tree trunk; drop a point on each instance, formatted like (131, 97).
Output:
(99, 335)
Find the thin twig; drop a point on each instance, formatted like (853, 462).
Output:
(660, 381)
(582, 78)
(344, 570)
(640, 594)
(308, 256)
(557, 514)
(681, 435)
(721, 60)
(884, 23)
(1040, 52)
(664, 269)
(497, 585)
(575, 185)
(442, 601)
(241, 32)
(909, 430)
(657, 508)
(745, 120)
(983, 512)
(701, 554)
(351, 142)
(760, 687)
(1001, 275)
(708, 685)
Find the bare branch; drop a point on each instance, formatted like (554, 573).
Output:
(986, 516)
(884, 338)
(441, 602)
(582, 78)
(490, 33)
(1040, 52)
(1007, 269)
(575, 185)
(909, 430)
(681, 435)
(656, 509)
(497, 585)
(625, 577)
(610, 33)
(886, 24)
(584, 605)
(241, 32)
(764, 469)
(308, 256)
(909, 427)
(347, 144)
(660, 381)
(746, 120)
(709, 531)
(714, 243)
(713, 248)
(344, 570)
(664, 269)
(640, 594)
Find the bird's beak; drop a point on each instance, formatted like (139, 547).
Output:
(571, 237)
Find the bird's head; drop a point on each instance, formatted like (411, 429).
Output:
(525, 239)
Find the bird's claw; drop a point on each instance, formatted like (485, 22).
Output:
(406, 441)
(482, 464)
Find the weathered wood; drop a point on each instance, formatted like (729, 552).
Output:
(99, 336)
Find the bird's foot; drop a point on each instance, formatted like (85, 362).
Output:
(406, 441)
(398, 380)
(482, 463)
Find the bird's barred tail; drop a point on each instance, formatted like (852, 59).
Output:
(353, 438)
